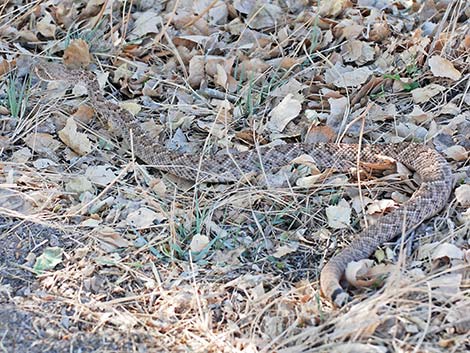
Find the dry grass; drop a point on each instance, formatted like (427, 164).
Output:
(123, 286)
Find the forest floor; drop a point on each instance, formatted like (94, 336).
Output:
(102, 253)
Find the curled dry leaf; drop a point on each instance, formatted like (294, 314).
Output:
(46, 26)
(357, 269)
(77, 141)
(196, 71)
(441, 67)
(381, 206)
(199, 243)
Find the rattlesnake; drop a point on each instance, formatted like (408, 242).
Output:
(430, 198)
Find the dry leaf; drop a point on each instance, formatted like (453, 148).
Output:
(446, 286)
(77, 54)
(447, 250)
(456, 152)
(41, 143)
(46, 26)
(79, 185)
(418, 116)
(424, 94)
(143, 218)
(284, 112)
(320, 134)
(132, 107)
(441, 67)
(84, 114)
(264, 15)
(101, 175)
(196, 71)
(333, 8)
(356, 269)
(145, 23)
(339, 217)
(347, 76)
(381, 206)
(284, 250)
(199, 243)
(462, 195)
(77, 141)
(110, 239)
(357, 51)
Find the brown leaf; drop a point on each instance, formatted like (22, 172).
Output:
(77, 54)
(320, 134)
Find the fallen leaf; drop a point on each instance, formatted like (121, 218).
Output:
(132, 107)
(110, 239)
(264, 15)
(446, 285)
(447, 250)
(462, 195)
(333, 8)
(339, 217)
(199, 243)
(101, 175)
(441, 67)
(424, 94)
(356, 269)
(320, 134)
(143, 218)
(347, 76)
(41, 143)
(284, 250)
(77, 54)
(77, 141)
(456, 152)
(284, 112)
(49, 259)
(196, 71)
(43, 163)
(46, 26)
(145, 23)
(79, 185)
(381, 206)
(357, 51)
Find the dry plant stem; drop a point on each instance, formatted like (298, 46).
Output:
(430, 198)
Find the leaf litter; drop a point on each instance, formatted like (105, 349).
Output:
(161, 262)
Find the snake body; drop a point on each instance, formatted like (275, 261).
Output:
(430, 198)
